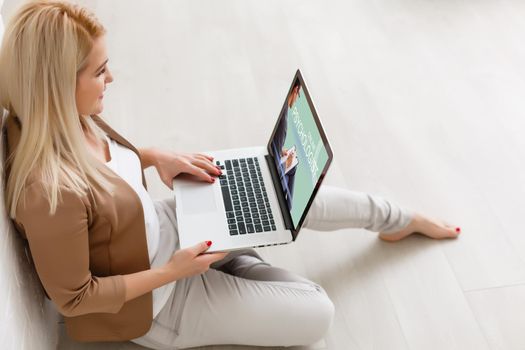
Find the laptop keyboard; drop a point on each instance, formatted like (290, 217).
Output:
(244, 194)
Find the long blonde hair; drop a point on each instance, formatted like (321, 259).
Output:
(45, 46)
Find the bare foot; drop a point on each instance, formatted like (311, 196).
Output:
(426, 226)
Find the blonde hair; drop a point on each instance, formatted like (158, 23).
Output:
(45, 46)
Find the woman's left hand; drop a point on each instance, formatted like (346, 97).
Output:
(171, 164)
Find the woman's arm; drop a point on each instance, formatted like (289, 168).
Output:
(59, 245)
(170, 164)
(142, 282)
(183, 263)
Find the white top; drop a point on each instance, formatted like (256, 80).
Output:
(126, 164)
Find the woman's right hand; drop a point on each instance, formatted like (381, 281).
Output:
(191, 261)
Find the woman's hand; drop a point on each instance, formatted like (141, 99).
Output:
(289, 159)
(170, 164)
(191, 261)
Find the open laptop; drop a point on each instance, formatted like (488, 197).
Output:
(264, 193)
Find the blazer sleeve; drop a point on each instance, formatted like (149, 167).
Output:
(60, 250)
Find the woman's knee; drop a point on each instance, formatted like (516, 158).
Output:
(313, 325)
(323, 318)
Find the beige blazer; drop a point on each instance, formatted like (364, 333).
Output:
(81, 252)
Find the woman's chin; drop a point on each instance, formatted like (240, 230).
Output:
(99, 108)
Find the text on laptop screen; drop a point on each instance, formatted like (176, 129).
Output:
(300, 154)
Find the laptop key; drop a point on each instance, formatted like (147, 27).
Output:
(266, 228)
(242, 228)
(230, 214)
(250, 228)
(226, 199)
(234, 232)
(274, 228)
(232, 227)
(258, 228)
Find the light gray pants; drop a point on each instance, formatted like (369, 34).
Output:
(244, 300)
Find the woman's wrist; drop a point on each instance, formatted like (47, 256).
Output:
(148, 157)
(168, 273)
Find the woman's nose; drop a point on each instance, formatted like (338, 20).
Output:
(109, 77)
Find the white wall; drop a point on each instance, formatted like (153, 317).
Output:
(27, 319)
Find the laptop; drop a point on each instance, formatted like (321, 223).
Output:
(264, 193)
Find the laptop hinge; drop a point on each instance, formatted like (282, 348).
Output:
(279, 191)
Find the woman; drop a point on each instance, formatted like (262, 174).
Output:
(106, 254)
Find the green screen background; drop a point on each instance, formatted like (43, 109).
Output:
(304, 179)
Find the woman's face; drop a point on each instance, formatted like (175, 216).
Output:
(92, 80)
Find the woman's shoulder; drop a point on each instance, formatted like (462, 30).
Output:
(35, 198)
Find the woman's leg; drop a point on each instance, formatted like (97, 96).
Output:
(337, 208)
(241, 299)
(254, 304)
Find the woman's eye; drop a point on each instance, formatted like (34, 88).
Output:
(101, 72)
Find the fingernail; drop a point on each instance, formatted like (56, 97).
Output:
(212, 179)
(208, 243)
(458, 229)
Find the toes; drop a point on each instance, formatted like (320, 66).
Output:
(454, 228)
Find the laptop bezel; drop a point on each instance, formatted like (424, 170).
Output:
(284, 208)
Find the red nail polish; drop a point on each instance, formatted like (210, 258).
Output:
(208, 243)
(458, 229)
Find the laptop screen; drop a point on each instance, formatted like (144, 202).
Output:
(300, 150)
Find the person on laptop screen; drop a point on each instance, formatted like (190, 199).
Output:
(288, 156)
(106, 253)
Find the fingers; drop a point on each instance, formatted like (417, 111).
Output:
(210, 158)
(210, 258)
(210, 167)
(203, 174)
(200, 247)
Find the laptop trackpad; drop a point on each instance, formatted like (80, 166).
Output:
(201, 199)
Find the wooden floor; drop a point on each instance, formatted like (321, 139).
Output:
(423, 102)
